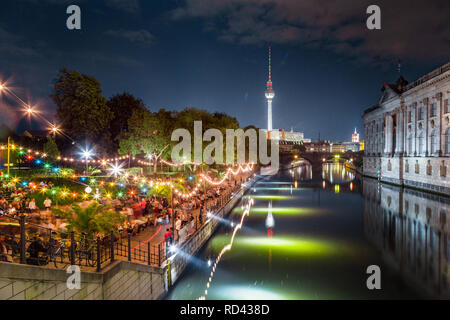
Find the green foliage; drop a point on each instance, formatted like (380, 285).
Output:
(93, 220)
(163, 191)
(82, 109)
(51, 149)
(145, 134)
(122, 106)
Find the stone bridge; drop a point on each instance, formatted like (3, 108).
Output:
(316, 159)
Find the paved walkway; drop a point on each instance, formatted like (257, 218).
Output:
(155, 234)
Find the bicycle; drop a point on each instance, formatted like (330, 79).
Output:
(57, 250)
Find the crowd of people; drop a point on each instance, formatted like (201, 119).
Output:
(140, 212)
(16, 200)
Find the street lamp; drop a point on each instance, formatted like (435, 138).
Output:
(87, 154)
(115, 170)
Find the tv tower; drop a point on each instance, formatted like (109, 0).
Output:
(270, 94)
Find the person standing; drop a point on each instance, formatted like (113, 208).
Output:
(168, 240)
(32, 206)
(47, 204)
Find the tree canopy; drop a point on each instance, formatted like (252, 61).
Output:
(145, 134)
(81, 108)
(51, 149)
(122, 105)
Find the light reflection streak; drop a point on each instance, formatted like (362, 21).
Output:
(226, 248)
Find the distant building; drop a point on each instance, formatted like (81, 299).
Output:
(337, 147)
(351, 146)
(320, 146)
(408, 132)
(355, 136)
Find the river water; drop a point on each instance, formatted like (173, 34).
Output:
(327, 228)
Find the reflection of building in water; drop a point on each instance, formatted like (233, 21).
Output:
(336, 173)
(302, 172)
(412, 230)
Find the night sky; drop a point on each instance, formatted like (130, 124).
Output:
(212, 54)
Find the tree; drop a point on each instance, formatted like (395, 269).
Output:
(221, 121)
(164, 190)
(122, 106)
(92, 220)
(146, 134)
(51, 149)
(82, 109)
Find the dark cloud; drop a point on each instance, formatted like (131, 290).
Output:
(130, 6)
(14, 46)
(134, 36)
(415, 29)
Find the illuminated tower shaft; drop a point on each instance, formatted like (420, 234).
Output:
(269, 114)
(270, 94)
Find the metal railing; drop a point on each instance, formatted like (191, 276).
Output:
(28, 243)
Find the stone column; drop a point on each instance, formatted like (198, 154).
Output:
(413, 129)
(386, 134)
(426, 127)
(438, 123)
(444, 98)
(390, 133)
(381, 137)
(400, 136)
(366, 136)
(416, 110)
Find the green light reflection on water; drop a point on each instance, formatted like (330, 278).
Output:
(285, 245)
(269, 197)
(288, 211)
(276, 188)
(275, 182)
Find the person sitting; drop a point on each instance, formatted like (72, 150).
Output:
(35, 247)
(4, 256)
(13, 245)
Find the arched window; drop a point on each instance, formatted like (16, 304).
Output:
(447, 141)
(434, 142)
(421, 143)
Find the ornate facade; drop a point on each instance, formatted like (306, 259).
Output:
(408, 133)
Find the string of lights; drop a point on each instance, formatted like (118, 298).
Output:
(172, 164)
(208, 179)
(227, 247)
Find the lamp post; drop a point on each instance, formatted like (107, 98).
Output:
(9, 146)
(87, 155)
